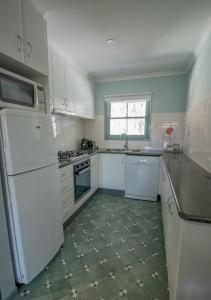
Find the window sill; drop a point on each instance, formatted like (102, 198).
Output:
(110, 138)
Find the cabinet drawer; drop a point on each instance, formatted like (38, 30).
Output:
(66, 172)
(68, 212)
(66, 186)
(68, 199)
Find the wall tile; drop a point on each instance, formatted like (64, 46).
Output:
(197, 141)
(68, 132)
(94, 129)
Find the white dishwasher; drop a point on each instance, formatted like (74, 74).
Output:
(142, 176)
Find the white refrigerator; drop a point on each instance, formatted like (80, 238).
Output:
(31, 187)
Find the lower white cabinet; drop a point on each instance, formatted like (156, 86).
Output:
(94, 172)
(67, 191)
(188, 248)
(112, 171)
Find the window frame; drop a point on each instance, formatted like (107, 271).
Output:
(128, 97)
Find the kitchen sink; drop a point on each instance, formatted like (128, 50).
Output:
(124, 150)
(135, 150)
(115, 149)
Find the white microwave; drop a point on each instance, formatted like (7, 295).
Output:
(20, 93)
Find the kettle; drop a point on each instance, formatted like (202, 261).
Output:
(84, 143)
(90, 144)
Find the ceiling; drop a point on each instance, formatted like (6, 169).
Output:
(151, 35)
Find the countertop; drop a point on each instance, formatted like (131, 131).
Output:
(192, 187)
(113, 151)
(127, 152)
(132, 152)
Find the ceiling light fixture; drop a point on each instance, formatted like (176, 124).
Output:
(110, 41)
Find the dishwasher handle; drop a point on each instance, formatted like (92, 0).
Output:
(143, 162)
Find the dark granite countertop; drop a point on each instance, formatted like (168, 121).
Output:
(64, 163)
(132, 152)
(115, 151)
(192, 187)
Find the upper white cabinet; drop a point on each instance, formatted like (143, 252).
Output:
(112, 171)
(23, 34)
(57, 86)
(70, 90)
(35, 38)
(10, 29)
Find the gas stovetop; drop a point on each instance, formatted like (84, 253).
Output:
(72, 155)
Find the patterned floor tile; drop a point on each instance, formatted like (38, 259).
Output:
(60, 289)
(155, 289)
(125, 280)
(113, 250)
(115, 265)
(99, 271)
(81, 281)
(108, 288)
(89, 294)
(137, 294)
(91, 258)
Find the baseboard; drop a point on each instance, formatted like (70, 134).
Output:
(111, 192)
(71, 218)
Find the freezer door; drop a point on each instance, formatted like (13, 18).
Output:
(36, 220)
(28, 140)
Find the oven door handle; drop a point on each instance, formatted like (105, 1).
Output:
(82, 171)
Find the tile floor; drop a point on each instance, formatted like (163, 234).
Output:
(114, 249)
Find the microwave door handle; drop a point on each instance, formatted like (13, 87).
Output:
(83, 171)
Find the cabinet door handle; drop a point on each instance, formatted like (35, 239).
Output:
(51, 101)
(170, 203)
(64, 101)
(29, 46)
(19, 42)
(67, 102)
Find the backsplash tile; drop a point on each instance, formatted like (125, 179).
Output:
(68, 132)
(198, 119)
(94, 129)
(197, 132)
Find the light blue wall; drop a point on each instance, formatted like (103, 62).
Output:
(169, 94)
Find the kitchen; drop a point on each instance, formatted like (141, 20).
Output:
(105, 149)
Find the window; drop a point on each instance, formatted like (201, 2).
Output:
(127, 115)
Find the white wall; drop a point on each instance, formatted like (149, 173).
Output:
(94, 129)
(198, 118)
(68, 132)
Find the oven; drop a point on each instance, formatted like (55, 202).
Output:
(82, 178)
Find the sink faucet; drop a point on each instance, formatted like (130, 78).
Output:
(126, 142)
